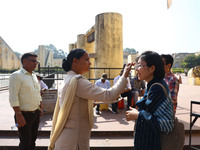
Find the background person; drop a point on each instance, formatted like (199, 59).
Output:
(171, 79)
(103, 83)
(126, 93)
(43, 86)
(138, 88)
(149, 113)
(72, 131)
(186, 72)
(115, 105)
(24, 97)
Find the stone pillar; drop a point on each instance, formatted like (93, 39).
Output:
(81, 41)
(108, 43)
(89, 47)
(41, 55)
(71, 47)
(132, 58)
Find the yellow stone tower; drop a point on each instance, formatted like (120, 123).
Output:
(104, 43)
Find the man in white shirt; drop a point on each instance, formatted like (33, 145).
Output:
(103, 83)
(127, 93)
(25, 99)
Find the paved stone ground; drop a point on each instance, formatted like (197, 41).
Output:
(108, 121)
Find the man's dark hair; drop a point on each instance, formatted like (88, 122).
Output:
(26, 55)
(168, 59)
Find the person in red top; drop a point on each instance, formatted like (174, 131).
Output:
(171, 79)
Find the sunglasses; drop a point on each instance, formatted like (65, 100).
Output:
(35, 61)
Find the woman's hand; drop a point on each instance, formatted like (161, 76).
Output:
(132, 114)
(127, 69)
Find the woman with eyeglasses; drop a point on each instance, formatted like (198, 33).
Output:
(73, 114)
(154, 113)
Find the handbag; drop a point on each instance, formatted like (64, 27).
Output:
(175, 139)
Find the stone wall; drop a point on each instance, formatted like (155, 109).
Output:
(8, 59)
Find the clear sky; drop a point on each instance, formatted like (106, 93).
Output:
(147, 24)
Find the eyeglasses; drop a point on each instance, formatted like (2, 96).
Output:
(139, 66)
(35, 61)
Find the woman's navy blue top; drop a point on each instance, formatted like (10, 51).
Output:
(147, 131)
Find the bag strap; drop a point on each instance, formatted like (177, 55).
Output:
(164, 89)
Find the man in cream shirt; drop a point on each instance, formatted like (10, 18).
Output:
(25, 99)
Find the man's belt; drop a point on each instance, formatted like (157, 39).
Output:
(34, 111)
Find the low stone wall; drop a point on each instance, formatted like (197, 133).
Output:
(49, 99)
(194, 80)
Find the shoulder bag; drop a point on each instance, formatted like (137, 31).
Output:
(175, 139)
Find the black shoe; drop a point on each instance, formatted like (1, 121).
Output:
(97, 112)
(114, 112)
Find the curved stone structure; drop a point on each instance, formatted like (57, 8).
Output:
(81, 41)
(71, 46)
(194, 76)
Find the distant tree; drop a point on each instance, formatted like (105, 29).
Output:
(18, 54)
(57, 54)
(130, 50)
(191, 61)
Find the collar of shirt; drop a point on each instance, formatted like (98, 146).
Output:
(168, 74)
(25, 71)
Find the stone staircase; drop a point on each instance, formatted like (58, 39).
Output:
(100, 140)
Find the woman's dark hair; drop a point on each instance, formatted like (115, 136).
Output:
(153, 58)
(26, 55)
(67, 62)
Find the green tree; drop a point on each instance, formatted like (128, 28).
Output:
(56, 53)
(191, 61)
(130, 50)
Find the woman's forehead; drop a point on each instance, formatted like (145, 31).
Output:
(140, 60)
(86, 55)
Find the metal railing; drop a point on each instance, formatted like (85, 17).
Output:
(59, 74)
(4, 81)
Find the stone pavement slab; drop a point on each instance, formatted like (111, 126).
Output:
(108, 121)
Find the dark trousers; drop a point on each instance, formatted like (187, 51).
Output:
(115, 107)
(28, 133)
(97, 108)
(129, 97)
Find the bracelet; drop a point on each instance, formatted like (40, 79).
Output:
(18, 113)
